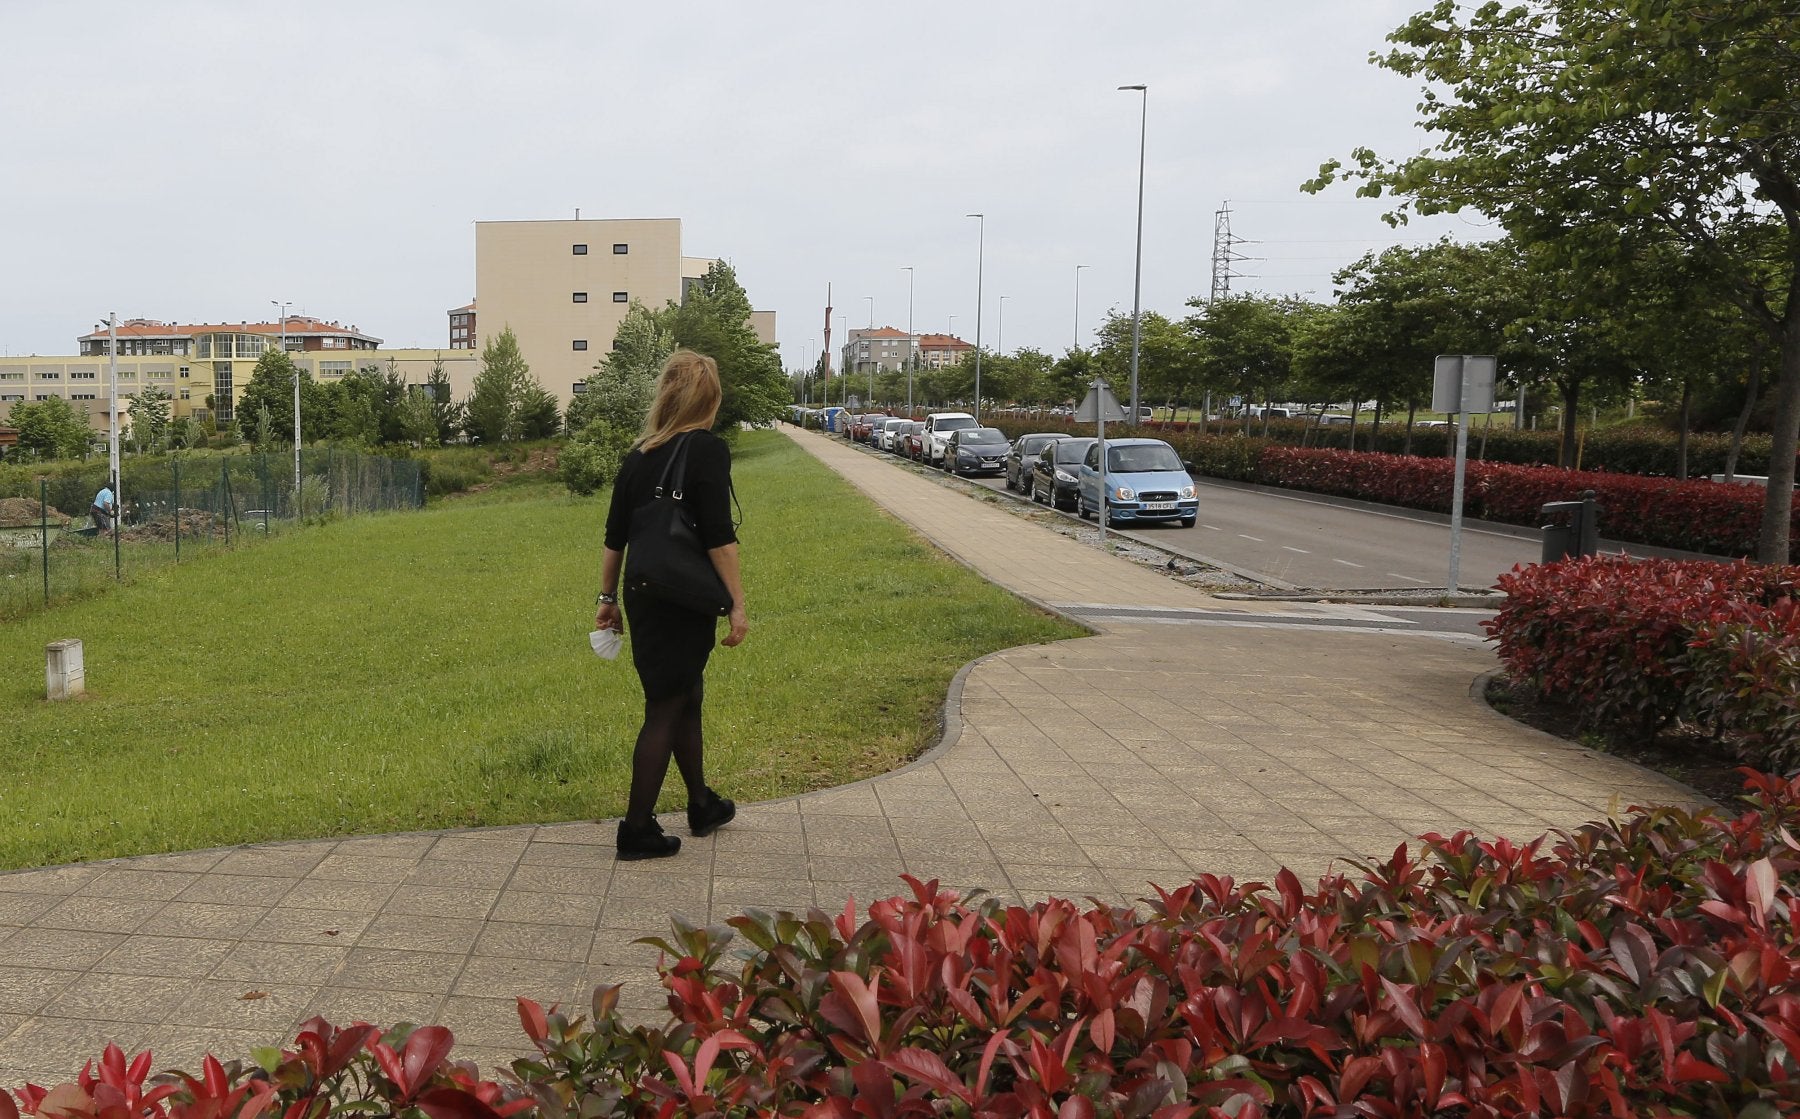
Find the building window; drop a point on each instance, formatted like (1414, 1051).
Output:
(580, 250)
(578, 387)
(581, 343)
(580, 297)
(621, 297)
(621, 250)
(184, 371)
(81, 396)
(184, 393)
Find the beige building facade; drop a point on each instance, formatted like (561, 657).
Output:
(563, 287)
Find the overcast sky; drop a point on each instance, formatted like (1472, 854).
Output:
(191, 161)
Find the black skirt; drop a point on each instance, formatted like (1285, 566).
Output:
(669, 644)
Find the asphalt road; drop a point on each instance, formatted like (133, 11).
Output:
(1307, 544)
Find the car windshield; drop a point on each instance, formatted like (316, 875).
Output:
(982, 435)
(1072, 450)
(955, 423)
(1142, 458)
(1032, 444)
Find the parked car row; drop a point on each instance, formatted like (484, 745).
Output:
(1143, 481)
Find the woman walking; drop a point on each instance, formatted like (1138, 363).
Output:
(670, 644)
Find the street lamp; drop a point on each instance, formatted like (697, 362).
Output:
(1000, 331)
(292, 368)
(1137, 284)
(980, 260)
(912, 341)
(1078, 269)
(874, 361)
(844, 380)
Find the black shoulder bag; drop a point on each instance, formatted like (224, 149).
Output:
(664, 557)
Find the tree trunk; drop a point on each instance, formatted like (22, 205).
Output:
(1412, 410)
(1778, 506)
(1571, 398)
(1486, 426)
(1375, 426)
(1355, 410)
(1751, 389)
(1681, 444)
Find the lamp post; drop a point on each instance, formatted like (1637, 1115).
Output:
(1000, 330)
(296, 372)
(1078, 269)
(1137, 284)
(980, 261)
(112, 408)
(844, 379)
(874, 361)
(912, 340)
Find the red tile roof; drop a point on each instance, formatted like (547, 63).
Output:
(943, 342)
(879, 332)
(150, 328)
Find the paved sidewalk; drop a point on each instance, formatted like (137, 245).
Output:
(1148, 752)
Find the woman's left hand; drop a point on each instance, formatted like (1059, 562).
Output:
(608, 617)
(740, 626)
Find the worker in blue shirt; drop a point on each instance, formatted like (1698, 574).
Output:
(105, 509)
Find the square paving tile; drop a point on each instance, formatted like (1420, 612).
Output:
(49, 880)
(196, 918)
(387, 969)
(180, 956)
(450, 872)
(315, 893)
(361, 868)
(185, 1047)
(534, 942)
(265, 963)
(579, 910)
(417, 934)
(27, 990)
(21, 909)
(486, 1022)
(292, 861)
(224, 1005)
(58, 949)
(309, 926)
(103, 997)
(99, 914)
(236, 889)
(499, 977)
(147, 884)
(432, 901)
(382, 1008)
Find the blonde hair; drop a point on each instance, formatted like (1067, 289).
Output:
(687, 398)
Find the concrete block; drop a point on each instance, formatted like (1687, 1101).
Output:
(64, 675)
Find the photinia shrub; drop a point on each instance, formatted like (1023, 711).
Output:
(1636, 643)
(1642, 966)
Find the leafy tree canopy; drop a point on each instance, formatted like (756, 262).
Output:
(1583, 124)
(52, 428)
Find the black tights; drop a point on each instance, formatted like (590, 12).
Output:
(671, 727)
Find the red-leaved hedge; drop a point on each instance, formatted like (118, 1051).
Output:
(1644, 966)
(1693, 516)
(1634, 644)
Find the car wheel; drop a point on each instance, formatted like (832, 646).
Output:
(1188, 522)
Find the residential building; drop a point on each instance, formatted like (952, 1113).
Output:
(151, 338)
(879, 349)
(939, 350)
(563, 286)
(462, 328)
(211, 386)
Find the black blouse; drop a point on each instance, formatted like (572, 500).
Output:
(706, 491)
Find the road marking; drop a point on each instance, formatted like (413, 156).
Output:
(1254, 539)
(1408, 578)
(1291, 548)
(1215, 528)
(1346, 563)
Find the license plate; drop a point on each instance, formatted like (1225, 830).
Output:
(1159, 506)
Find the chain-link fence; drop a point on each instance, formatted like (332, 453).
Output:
(55, 545)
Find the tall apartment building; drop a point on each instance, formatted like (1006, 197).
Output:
(563, 287)
(879, 349)
(462, 327)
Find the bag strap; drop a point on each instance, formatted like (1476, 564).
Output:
(676, 465)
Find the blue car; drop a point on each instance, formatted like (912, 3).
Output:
(1145, 481)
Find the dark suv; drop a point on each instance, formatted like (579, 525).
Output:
(1056, 472)
(1024, 452)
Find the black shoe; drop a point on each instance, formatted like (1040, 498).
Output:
(647, 842)
(709, 813)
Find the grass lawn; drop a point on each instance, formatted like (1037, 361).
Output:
(431, 669)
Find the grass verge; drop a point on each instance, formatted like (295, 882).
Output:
(430, 669)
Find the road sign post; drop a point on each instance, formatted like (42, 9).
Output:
(1097, 407)
(1461, 384)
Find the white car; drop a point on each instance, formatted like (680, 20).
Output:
(938, 426)
(884, 438)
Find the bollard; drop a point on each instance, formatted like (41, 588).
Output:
(64, 676)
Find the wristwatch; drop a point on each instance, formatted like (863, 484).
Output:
(604, 599)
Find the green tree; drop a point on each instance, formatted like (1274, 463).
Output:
(1580, 123)
(149, 411)
(417, 418)
(1245, 344)
(539, 416)
(271, 386)
(624, 381)
(491, 414)
(714, 319)
(1069, 377)
(353, 406)
(51, 428)
(446, 413)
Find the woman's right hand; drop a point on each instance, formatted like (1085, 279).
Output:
(608, 617)
(740, 626)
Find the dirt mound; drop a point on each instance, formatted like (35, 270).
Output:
(26, 511)
(194, 523)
